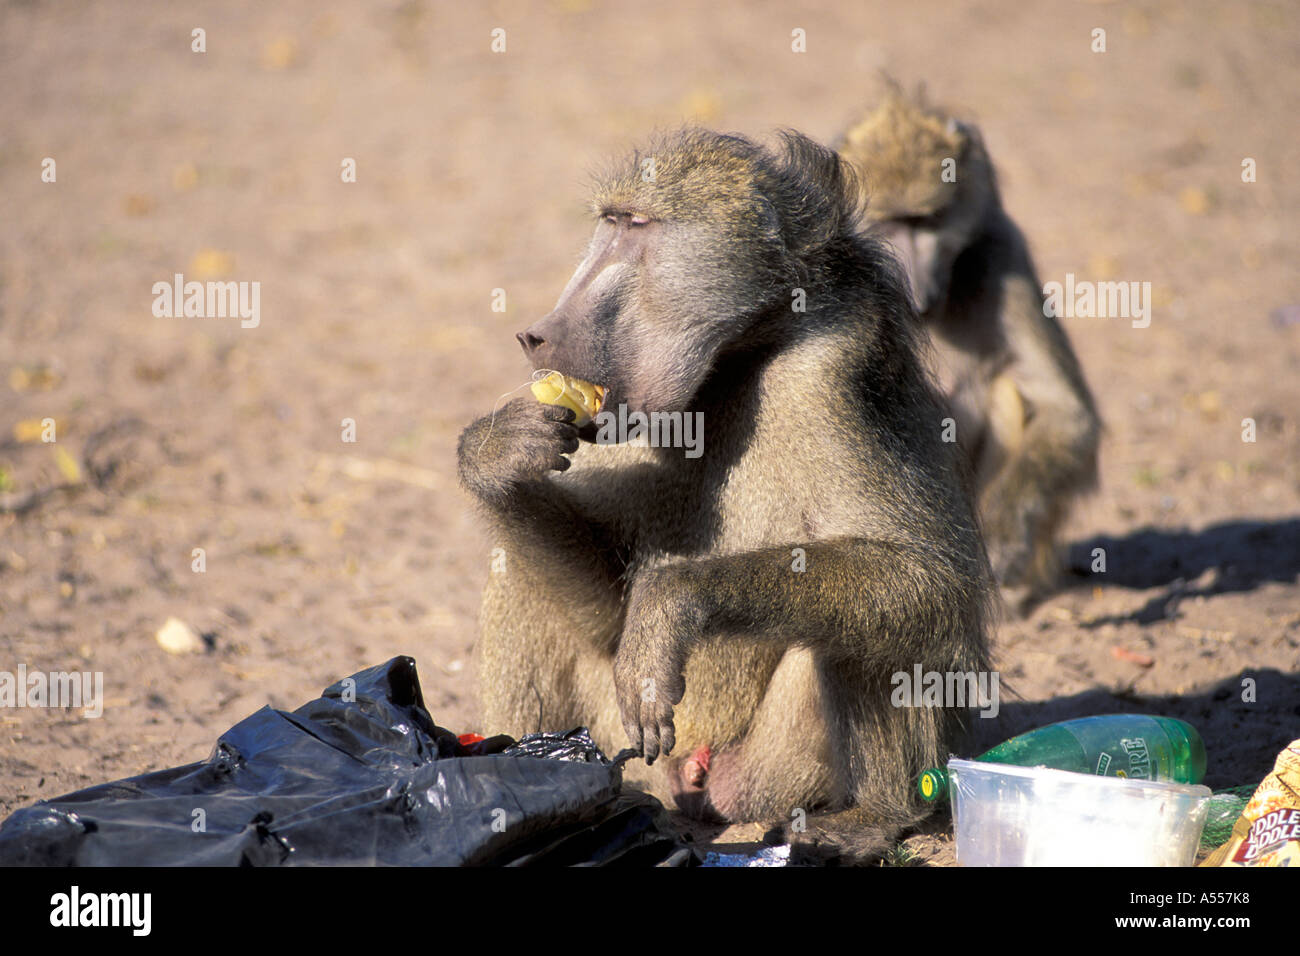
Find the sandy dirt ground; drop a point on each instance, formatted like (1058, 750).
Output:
(324, 556)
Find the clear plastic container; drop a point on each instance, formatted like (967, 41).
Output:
(1031, 816)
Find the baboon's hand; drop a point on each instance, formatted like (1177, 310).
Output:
(520, 443)
(659, 629)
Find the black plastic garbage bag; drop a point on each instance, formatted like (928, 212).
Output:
(360, 776)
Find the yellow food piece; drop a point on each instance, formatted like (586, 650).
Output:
(573, 393)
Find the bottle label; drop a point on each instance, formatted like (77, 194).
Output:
(1139, 758)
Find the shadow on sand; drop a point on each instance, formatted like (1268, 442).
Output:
(1239, 556)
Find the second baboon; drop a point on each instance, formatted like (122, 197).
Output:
(742, 606)
(1021, 408)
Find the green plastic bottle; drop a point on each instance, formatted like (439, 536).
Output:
(1115, 745)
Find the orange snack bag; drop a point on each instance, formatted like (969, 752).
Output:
(1268, 831)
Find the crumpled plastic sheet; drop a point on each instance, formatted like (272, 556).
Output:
(360, 776)
(767, 856)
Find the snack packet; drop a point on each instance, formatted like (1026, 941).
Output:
(1268, 831)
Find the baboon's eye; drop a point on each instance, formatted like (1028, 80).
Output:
(633, 218)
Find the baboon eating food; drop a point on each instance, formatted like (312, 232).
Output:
(738, 611)
(1022, 411)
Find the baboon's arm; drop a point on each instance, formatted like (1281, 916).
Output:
(506, 463)
(542, 519)
(878, 604)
